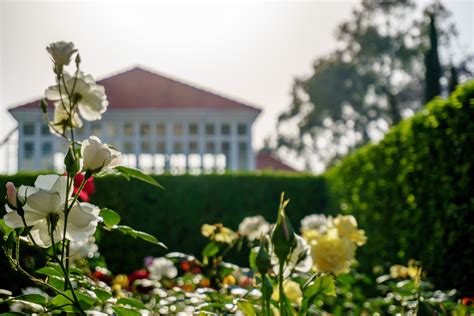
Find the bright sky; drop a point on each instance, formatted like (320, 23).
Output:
(247, 50)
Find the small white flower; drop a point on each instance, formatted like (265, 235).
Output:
(162, 268)
(98, 156)
(44, 207)
(61, 52)
(300, 259)
(91, 98)
(318, 222)
(86, 248)
(254, 227)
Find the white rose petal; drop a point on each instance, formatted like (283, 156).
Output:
(98, 156)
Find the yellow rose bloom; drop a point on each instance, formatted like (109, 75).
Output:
(331, 253)
(207, 230)
(347, 227)
(292, 292)
(121, 280)
(226, 236)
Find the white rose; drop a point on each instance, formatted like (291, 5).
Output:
(61, 52)
(254, 227)
(92, 101)
(98, 156)
(61, 120)
(318, 222)
(44, 204)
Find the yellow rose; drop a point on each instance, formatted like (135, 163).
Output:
(225, 235)
(292, 292)
(121, 280)
(347, 227)
(207, 230)
(398, 271)
(331, 253)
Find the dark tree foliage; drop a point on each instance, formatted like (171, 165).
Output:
(373, 80)
(433, 71)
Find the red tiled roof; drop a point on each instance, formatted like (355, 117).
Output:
(266, 161)
(142, 89)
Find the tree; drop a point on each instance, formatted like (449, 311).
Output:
(453, 79)
(373, 80)
(433, 71)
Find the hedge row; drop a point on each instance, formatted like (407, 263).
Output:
(414, 191)
(175, 214)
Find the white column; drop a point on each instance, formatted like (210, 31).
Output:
(153, 144)
(21, 148)
(137, 143)
(250, 154)
(201, 143)
(186, 144)
(234, 147)
(168, 145)
(37, 146)
(217, 142)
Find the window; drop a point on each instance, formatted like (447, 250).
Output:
(128, 129)
(178, 148)
(128, 148)
(160, 147)
(46, 149)
(111, 129)
(29, 150)
(210, 129)
(145, 147)
(193, 147)
(160, 129)
(145, 129)
(178, 129)
(225, 129)
(242, 129)
(193, 129)
(45, 130)
(29, 129)
(210, 147)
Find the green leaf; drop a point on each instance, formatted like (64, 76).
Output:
(126, 230)
(110, 217)
(60, 300)
(49, 271)
(85, 300)
(210, 250)
(131, 301)
(56, 282)
(135, 173)
(317, 289)
(246, 307)
(103, 295)
(32, 298)
(123, 311)
(5, 228)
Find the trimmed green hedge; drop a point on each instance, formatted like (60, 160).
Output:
(175, 214)
(414, 191)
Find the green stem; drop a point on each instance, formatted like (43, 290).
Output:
(66, 275)
(280, 287)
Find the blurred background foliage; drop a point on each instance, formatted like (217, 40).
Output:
(412, 193)
(387, 65)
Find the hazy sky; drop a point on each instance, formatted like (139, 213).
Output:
(248, 50)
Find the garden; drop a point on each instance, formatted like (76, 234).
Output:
(386, 231)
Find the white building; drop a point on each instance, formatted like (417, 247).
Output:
(159, 124)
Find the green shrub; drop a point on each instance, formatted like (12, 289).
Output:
(413, 191)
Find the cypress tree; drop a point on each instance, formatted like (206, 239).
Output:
(432, 64)
(453, 79)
